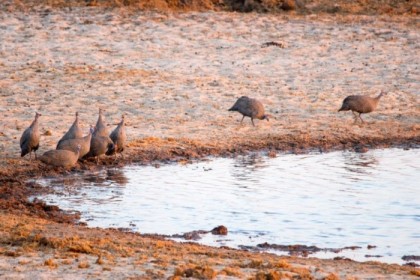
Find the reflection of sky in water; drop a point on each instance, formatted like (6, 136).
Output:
(329, 200)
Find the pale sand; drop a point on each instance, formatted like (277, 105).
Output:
(176, 75)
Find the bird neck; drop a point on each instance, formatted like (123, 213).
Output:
(35, 122)
(99, 122)
(379, 96)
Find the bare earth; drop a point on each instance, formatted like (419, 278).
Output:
(175, 76)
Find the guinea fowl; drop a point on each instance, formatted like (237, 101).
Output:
(74, 132)
(100, 127)
(100, 145)
(119, 137)
(29, 141)
(61, 158)
(72, 144)
(361, 104)
(249, 107)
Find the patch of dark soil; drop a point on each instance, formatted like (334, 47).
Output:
(196, 234)
(302, 250)
(411, 258)
(14, 194)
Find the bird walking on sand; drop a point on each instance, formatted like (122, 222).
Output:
(74, 132)
(61, 158)
(100, 127)
(119, 137)
(29, 141)
(72, 144)
(361, 104)
(249, 107)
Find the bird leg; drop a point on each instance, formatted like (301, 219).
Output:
(35, 155)
(243, 117)
(355, 116)
(360, 116)
(252, 120)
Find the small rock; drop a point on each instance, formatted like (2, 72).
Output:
(220, 230)
(361, 149)
(288, 5)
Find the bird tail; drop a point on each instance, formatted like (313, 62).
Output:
(233, 109)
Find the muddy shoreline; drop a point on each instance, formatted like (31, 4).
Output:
(17, 174)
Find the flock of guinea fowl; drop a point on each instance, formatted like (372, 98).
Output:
(73, 146)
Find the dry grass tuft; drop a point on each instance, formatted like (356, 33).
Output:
(231, 271)
(270, 275)
(415, 272)
(83, 265)
(195, 271)
(50, 263)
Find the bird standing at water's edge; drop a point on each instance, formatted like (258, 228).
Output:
(100, 127)
(74, 131)
(29, 141)
(61, 158)
(119, 137)
(361, 104)
(249, 107)
(72, 144)
(100, 145)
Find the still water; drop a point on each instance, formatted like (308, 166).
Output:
(330, 200)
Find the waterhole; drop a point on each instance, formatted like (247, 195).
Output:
(333, 200)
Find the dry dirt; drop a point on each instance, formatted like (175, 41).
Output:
(175, 75)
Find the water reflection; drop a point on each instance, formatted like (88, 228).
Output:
(360, 163)
(244, 167)
(117, 176)
(105, 177)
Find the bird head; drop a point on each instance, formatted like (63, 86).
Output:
(266, 117)
(382, 93)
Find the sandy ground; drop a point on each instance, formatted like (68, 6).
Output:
(175, 76)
